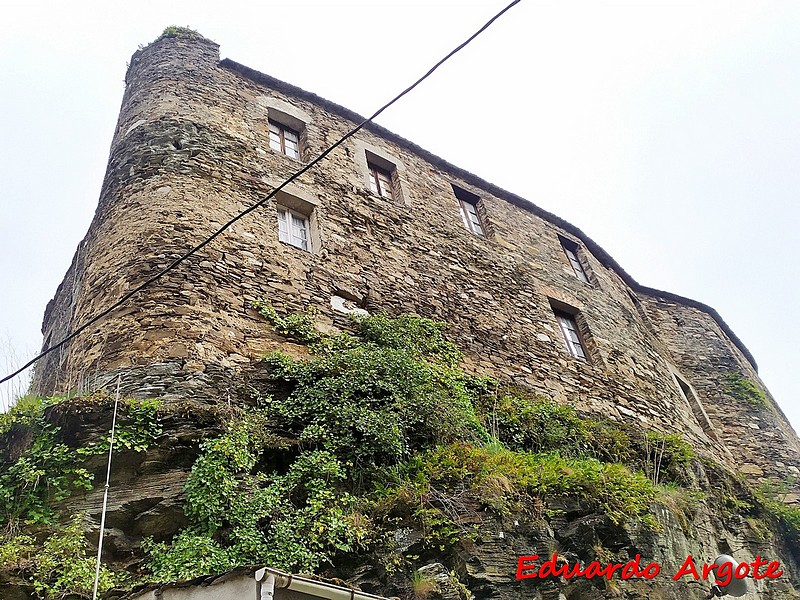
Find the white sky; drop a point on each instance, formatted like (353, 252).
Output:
(668, 131)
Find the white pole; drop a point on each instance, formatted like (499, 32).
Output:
(105, 492)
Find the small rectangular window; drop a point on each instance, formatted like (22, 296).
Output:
(571, 334)
(293, 228)
(468, 204)
(284, 140)
(380, 181)
(571, 249)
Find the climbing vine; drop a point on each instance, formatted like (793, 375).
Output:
(297, 519)
(62, 565)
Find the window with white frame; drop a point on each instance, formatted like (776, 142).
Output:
(284, 139)
(468, 204)
(293, 228)
(571, 249)
(571, 334)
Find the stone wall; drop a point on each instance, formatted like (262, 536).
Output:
(762, 443)
(191, 150)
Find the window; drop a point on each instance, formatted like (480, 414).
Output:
(468, 203)
(293, 228)
(381, 173)
(284, 140)
(380, 181)
(571, 250)
(699, 412)
(572, 336)
(684, 387)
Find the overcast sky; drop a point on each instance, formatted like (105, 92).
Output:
(668, 131)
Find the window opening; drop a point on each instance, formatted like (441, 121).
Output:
(380, 181)
(293, 228)
(571, 334)
(571, 250)
(700, 414)
(468, 204)
(284, 140)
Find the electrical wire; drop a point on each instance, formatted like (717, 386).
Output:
(250, 209)
(105, 492)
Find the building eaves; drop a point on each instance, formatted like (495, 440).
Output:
(605, 259)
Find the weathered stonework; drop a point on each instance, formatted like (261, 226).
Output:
(191, 150)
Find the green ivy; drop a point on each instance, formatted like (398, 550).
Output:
(140, 424)
(44, 469)
(62, 566)
(300, 326)
(742, 388)
(373, 398)
(295, 520)
(384, 428)
(38, 469)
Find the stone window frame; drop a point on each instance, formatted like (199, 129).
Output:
(687, 391)
(472, 205)
(288, 117)
(575, 256)
(375, 157)
(565, 312)
(302, 205)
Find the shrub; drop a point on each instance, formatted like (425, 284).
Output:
(293, 521)
(372, 399)
(62, 565)
(44, 469)
(453, 476)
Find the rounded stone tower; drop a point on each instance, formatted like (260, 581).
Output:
(179, 167)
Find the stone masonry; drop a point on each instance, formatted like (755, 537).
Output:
(191, 150)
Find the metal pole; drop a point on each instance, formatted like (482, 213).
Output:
(105, 491)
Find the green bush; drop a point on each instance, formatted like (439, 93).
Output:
(176, 31)
(500, 477)
(533, 423)
(62, 565)
(293, 521)
(667, 457)
(372, 399)
(45, 469)
(388, 430)
(770, 496)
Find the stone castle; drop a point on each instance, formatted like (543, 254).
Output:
(380, 225)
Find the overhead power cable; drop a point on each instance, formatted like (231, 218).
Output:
(247, 211)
